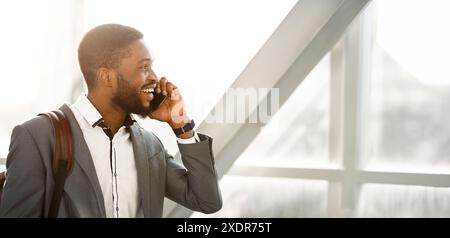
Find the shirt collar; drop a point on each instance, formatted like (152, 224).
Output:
(92, 116)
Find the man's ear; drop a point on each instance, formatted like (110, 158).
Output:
(105, 77)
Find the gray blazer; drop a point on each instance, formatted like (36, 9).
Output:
(29, 179)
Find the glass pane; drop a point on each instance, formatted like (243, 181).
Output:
(38, 60)
(271, 197)
(200, 45)
(20, 55)
(379, 200)
(410, 88)
(27, 54)
(297, 135)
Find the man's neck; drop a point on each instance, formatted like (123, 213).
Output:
(114, 117)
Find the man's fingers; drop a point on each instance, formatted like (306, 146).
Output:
(158, 87)
(167, 88)
(163, 85)
(170, 87)
(173, 91)
(175, 95)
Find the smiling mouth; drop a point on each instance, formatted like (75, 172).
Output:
(148, 90)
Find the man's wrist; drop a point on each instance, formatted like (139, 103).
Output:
(174, 125)
(178, 122)
(183, 129)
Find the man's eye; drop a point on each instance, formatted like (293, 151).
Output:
(145, 67)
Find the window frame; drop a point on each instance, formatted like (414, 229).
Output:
(350, 72)
(321, 26)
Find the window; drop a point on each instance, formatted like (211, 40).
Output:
(393, 138)
(383, 200)
(298, 134)
(38, 46)
(271, 197)
(410, 88)
(21, 81)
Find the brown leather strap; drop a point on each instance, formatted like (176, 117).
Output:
(63, 140)
(62, 157)
(67, 140)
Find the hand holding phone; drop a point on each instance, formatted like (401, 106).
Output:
(158, 99)
(173, 111)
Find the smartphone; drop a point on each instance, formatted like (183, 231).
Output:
(158, 99)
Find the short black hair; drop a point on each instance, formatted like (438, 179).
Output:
(105, 46)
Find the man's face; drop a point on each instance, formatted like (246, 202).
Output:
(135, 80)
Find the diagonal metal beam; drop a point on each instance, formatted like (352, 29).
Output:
(307, 33)
(331, 175)
(413, 179)
(338, 175)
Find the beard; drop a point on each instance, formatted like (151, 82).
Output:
(128, 99)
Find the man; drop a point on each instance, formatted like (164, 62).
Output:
(120, 169)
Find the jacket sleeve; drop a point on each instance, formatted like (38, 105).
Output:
(195, 186)
(23, 192)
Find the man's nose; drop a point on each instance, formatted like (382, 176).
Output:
(152, 76)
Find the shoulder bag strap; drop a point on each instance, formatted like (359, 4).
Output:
(62, 157)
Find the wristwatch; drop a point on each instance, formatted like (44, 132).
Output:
(186, 128)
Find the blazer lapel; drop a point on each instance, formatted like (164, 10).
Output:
(82, 156)
(142, 166)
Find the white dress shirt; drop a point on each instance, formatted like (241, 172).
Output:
(113, 160)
